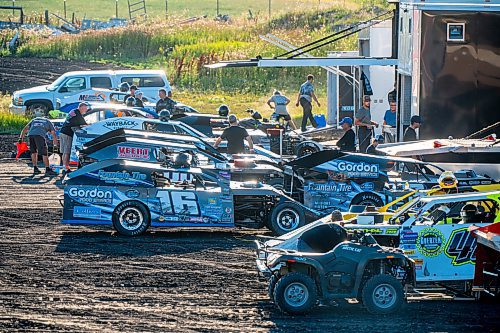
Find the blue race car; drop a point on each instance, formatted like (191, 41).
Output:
(132, 196)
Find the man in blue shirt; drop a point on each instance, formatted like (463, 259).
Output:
(390, 115)
(304, 98)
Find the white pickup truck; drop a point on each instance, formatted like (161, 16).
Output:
(92, 86)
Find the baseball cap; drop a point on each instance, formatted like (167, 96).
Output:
(346, 120)
(85, 103)
(232, 118)
(416, 119)
(380, 138)
(133, 87)
(138, 92)
(367, 98)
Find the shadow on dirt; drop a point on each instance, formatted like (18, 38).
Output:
(38, 180)
(153, 243)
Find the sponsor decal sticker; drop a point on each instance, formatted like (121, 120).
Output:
(328, 187)
(133, 152)
(350, 248)
(120, 123)
(86, 211)
(358, 170)
(94, 195)
(461, 247)
(132, 193)
(430, 242)
(121, 175)
(97, 97)
(391, 231)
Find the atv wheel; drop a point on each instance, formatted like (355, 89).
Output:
(131, 218)
(382, 294)
(367, 199)
(272, 284)
(286, 217)
(295, 293)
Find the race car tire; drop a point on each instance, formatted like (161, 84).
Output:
(382, 294)
(277, 183)
(367, 199)
(295, 293)
(272, 284)
(131, 218)
(286, 217)
(306, 148)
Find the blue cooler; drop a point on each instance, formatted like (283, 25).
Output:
(320, 120)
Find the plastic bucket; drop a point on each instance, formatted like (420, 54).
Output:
(320, 120)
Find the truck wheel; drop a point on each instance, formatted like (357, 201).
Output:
(367, 199)
(382, 294)
(131, 218)
(307, 148)
(37, 106)
(272, 284)
(295, 293)
(286, 217)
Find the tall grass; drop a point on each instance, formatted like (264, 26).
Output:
(9, 123)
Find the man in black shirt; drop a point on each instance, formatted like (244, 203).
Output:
(165, 102)
(74, 119)
(348, 141)
(410, 133)
(372, 149)
(235, 135)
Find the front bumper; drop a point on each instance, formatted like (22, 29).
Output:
(19, 110)
(261, 261)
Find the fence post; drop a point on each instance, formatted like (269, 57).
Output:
(46, 17)
(116, 8)
(217, 7)
(64, 9)
(166, 8)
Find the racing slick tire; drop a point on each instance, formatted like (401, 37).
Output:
(286, 217)
(367, 199)
(306, 148)
(131, 218)
(382, 294)
(295, 293)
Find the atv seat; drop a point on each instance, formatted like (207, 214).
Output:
(324, 237)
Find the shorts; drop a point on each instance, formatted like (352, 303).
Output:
(65, 143)
(38, 145)
(286, 117)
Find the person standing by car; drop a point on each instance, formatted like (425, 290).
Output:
(37, 130)
(410, 133)
(304, 98)
(280, 102)
(139, 102)
(348, 141)
(363, 119)
(73, 120)
(165, 102)
(133, 89)
(372, 149)
(390, 115)
(235, 134)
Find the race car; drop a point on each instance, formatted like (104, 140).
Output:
(433, 231)
(331, 179)
(90, 132)
(132, 196)
(166, 150)
(323, 262)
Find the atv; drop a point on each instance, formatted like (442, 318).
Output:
(321, 262)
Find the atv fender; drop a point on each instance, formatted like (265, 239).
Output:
(378, 257)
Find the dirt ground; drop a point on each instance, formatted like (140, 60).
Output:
(65, 278)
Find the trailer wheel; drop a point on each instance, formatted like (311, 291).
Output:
(131, 218)
(307, 148)
(367, 199)
(286, 217)
(295, 293)
(382, 294)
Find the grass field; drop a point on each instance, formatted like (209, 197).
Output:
(104, 9)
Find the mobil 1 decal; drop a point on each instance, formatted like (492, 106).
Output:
(461, 247)
(430, 242)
